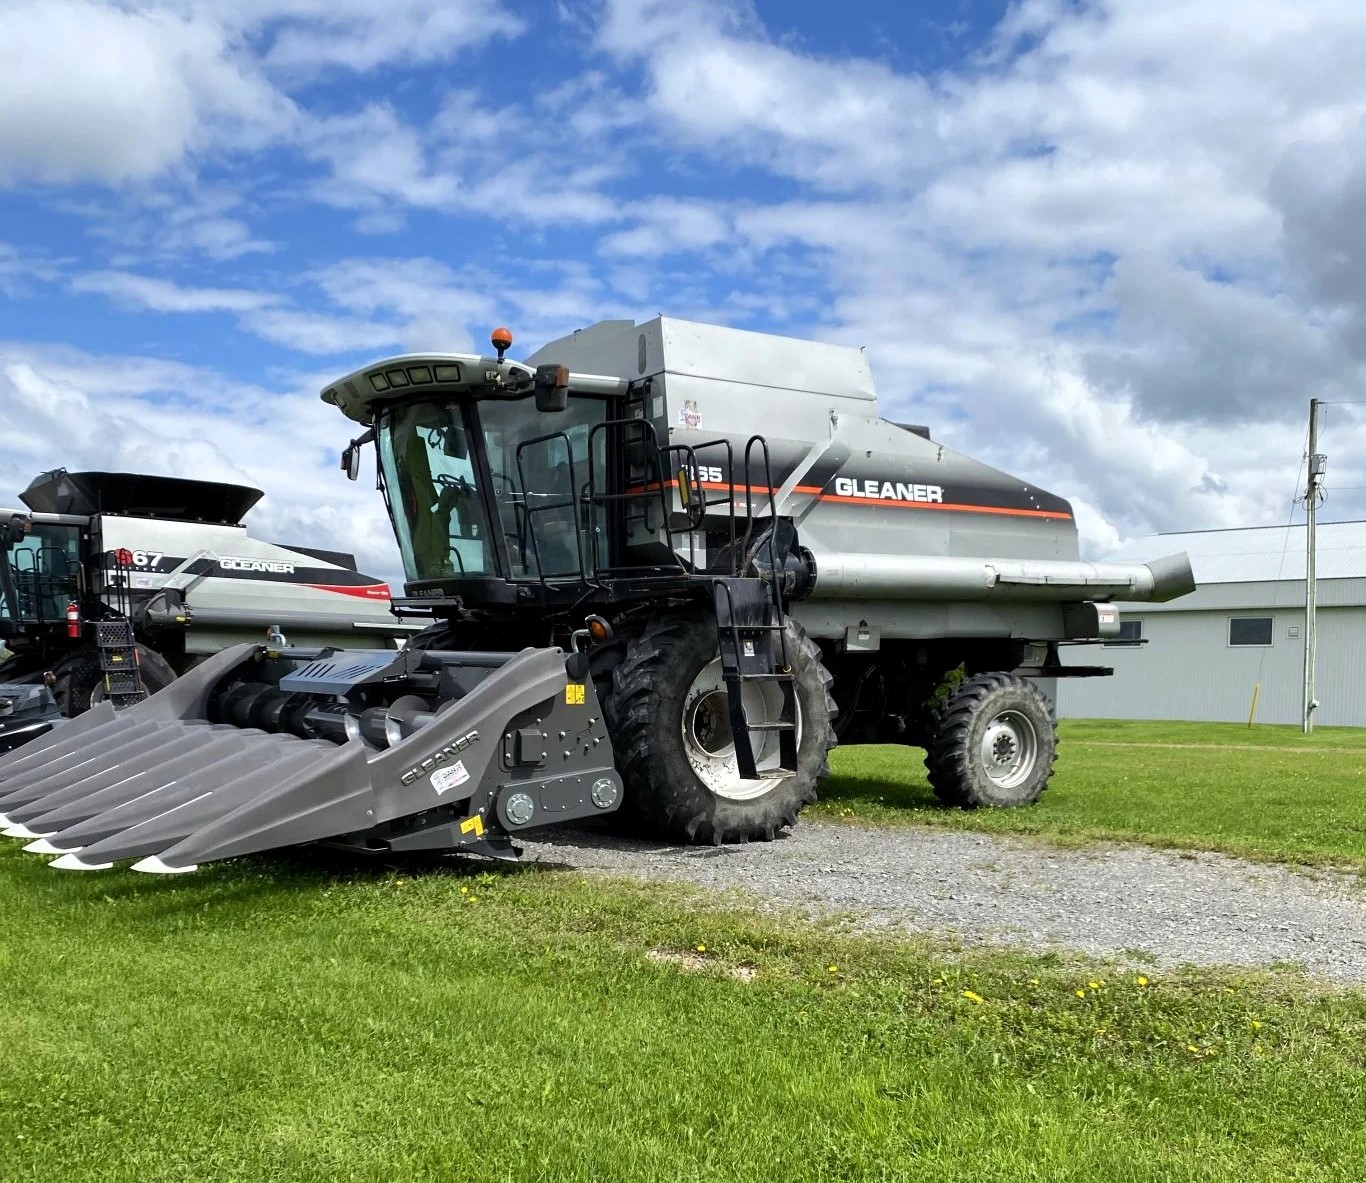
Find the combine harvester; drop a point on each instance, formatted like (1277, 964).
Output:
(113, 583)
(635, 602)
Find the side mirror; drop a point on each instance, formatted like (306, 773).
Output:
(552, 388)
(350, 462)
(16, 530)
(350, 459)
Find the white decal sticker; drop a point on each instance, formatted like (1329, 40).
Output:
(445, 779)
(689, 416)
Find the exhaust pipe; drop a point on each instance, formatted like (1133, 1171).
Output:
(845, 575)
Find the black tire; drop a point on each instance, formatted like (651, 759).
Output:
(79, 678)
(970, 764)
(646, 709)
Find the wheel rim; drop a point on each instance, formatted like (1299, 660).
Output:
(1010, 749)
(709, 744)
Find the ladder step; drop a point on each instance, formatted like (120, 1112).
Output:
(780, 726)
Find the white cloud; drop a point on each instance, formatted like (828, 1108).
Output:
(104, 91)
(161, 295)
(91, 91)
(23, 271)
(320, 333)
(376, 157)
(432, 304)
(306, 36)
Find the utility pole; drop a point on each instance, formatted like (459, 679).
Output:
(1312, 496)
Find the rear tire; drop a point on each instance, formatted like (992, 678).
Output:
(671, 737)
(992, 744)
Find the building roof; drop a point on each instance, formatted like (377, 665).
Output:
(1258, 553)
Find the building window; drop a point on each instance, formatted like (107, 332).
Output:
(1130, 633)
(1249, 630)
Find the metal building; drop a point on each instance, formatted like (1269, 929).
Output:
(1200, 657)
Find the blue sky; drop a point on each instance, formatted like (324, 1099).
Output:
(1110, 246)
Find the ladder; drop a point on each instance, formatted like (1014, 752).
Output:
(751, 629)
(118, 654)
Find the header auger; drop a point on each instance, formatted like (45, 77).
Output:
(665, 568)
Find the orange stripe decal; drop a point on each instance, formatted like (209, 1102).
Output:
(949, 506)
(836, 498)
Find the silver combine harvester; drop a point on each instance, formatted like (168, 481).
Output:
(665, 568)
(112, 584)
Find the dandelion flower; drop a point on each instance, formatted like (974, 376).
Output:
(938, 981)
(701, 948)
(1142, 981)
(1094, 985)
(1033, 981)
(1081, 993)
(1190, 1047)
(464, 891)
(833, 968)
(973, 996)
(1256, 1024)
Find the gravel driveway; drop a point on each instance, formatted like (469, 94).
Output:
(1107, 900)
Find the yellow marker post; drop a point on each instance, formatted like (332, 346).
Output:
(1256, 690)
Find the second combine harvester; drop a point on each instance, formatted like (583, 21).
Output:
(668, 566)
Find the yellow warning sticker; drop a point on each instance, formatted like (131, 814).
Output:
(574, 694)
(473, 825)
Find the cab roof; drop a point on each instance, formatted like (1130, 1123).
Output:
(418, 375)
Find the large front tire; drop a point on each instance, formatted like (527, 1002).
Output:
(992, 744)
(671, 735)
(79, 681)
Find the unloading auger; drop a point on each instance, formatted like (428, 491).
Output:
(636, 602)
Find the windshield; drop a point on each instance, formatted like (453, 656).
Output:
(433, 479)
(434, 492)
(44, 571)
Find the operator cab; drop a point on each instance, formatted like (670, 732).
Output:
(40, 572)
(478, 489)
(489, 469)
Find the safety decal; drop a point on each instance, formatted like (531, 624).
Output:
(574, 694)
(445, 779)
(473, 825)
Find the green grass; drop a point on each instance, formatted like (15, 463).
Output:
(1266, 793)
(272, 1020)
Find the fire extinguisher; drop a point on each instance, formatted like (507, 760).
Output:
(73, 619)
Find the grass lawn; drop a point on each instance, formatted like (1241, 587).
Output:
(273, 1020)
(1268, 792)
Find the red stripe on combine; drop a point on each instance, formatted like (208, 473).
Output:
(372, 591)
